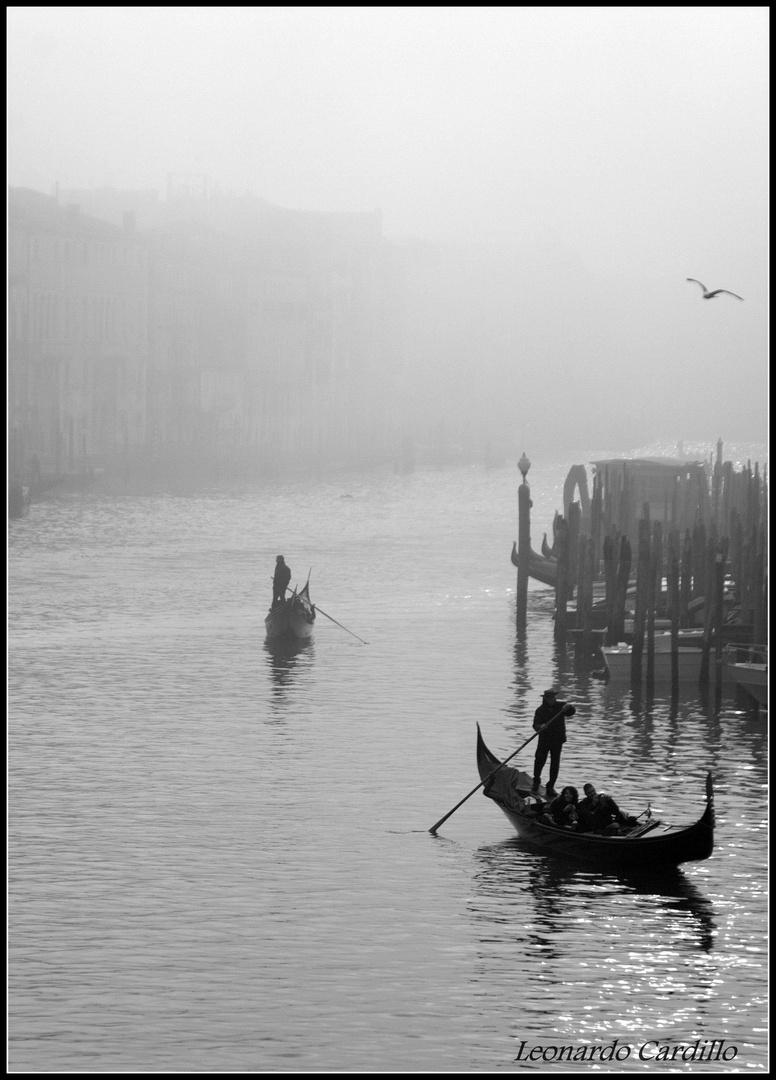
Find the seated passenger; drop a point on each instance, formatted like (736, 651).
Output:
(563, 808)
(599, 812)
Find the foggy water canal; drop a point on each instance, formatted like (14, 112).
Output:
(219, 854)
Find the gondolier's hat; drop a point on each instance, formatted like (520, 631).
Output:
(550, 693)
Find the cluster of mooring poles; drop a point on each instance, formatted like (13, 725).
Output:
(697, 560)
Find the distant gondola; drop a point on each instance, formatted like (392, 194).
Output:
(648, 844)
(294, 619)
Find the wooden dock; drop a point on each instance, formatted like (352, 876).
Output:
(661, 544)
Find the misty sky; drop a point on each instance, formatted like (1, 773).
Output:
(619, 151)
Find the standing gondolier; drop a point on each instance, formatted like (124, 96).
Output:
(551, 741)
(280, 581)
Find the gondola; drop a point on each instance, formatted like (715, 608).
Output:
(545, 569)
(540, 568)
(648, 844)
(294, 619)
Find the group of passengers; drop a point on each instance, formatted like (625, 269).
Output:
(596, 812)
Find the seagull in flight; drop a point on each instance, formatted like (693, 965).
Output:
(710, 295)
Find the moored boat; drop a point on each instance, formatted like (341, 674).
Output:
(545, 569)
(618, 659)
(539, 567)
(648, 844)
(747, 665)
(294, 619)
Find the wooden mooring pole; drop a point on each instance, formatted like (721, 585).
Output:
(708, 612)
(685, 586)
(640, 613)
(562, 583)
(596, 523)
(655, 585)
(674, 605)
(719, 618)
(621, 593)
(584, 601)
(699, 555)
(523, 553)
(610, 577)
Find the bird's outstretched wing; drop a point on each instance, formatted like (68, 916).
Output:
(698, 283)
(729, 293)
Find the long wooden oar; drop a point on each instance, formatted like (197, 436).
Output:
(544, 727)
(340, 624)
(333, 620)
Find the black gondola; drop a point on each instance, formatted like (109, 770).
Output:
(294, 618)
(540, 568)
(648, 844)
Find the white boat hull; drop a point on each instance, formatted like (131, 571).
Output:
(753, 678)
(619, 659)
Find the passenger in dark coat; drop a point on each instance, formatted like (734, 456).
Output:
(599, 812)
(563, 809)
(550, 741)
(280, 581)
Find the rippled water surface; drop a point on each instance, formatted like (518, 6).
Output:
(219, 854)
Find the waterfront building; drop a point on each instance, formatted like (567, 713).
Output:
(77, 339)
(273, 336)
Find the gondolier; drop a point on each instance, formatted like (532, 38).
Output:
(550, 742)
(280, 581)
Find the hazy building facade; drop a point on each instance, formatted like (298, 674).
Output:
(77, 338)
(269, 341)
(273, 336)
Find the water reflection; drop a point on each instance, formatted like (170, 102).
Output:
(284, 928)
(523, 684)
(283, 658)
(673, 891)
(562, 664)
(542, 896)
